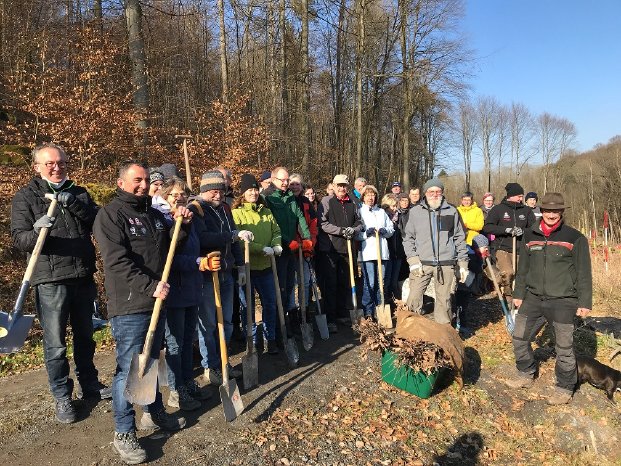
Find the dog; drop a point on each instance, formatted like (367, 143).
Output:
(599, 375)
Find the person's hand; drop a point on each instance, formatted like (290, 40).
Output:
(294, 245)
(241, 276)
(581, 312)
(307, 246)
(463, 275)
(65, 198)
(270, 251)
(348, 232)
(518, 302)
(370, 232)
(515, 231)
(182, 211)
(43, 222)
(246, 236)
(277, 250)
(416, 268)
(209, 264)
(161, 291)
(382, 231)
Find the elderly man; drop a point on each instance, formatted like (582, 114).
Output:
(134, 240)
(553, 285)
(414, 196)
(339, 221)
(434, 242)
(63, 277)
(395, 188)
(531, 201)
(265, 180)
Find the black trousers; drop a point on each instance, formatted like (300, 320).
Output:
(333, 278)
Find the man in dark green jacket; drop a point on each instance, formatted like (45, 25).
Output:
(553, 284)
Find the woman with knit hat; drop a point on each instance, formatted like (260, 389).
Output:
(250, 213)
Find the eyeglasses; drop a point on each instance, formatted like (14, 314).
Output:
(282, 180)
(60, 164)
(177, 195)
(434, 192)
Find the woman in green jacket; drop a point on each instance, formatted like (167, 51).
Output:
(250, 213)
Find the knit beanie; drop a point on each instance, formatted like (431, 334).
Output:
(155, 175)
(531, 195)
(247, 181)
(168, 170)
(480, 241)
(514, 189)
(433, 183)
(212, 180)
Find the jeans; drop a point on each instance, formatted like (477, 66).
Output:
(392, 268)
(208, 339)
(129, 332)
(263, 283)
(56, 304)
(306, 279)
(370, 286)
(180, 328)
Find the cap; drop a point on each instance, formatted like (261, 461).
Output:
(266, 175)
(340, 179)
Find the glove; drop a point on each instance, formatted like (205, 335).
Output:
(241, 276)
(209, 264)
(382, 231)
(416, 268)
(246, 236)
(294, 245)
(370, 232)
(65, 198)
(270, 251)
(43, 222)
(234, 235)
(348, 232)
(463, 275)
(517, 231)
(307, 246)
(277, 250)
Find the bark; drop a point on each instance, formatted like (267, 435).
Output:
(224, 67)
(305, 92)
(137, 57)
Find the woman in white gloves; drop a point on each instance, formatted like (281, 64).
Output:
(250, 213)
(375, 221)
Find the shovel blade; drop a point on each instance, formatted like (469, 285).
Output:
(16, 337)
(250, 369)
(355, 315)
(231, 400)
(322, 325)
(291, 350)
(141, 390)
(383, 316)
(307, 336)
(162, 370)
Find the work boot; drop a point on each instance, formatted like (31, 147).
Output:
(196, 392)
(161, 420)
(519, 380)
(560, 396)
(272, 347)
(234, 373)
(213, 376)
(95, 390)
(65, 411)
(127, 446)
(182, 399)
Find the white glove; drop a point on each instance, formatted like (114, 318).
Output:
(278, 250)
(416, 268)
(241, 276)
(269, 251)
(246, 236)
(463, 274)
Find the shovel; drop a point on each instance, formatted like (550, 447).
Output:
(250, 362)
(514, 263)
(509, 321)
(355, 314)
(291, 349)
(383, 310)
(307, 330)
(320, 319)
(141, 385)
(14, 327)
(229, 393)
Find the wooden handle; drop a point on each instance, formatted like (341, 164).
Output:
(249, 319)
(379, 267)
(224, 357)
(188, 176)
(36, 252)
(352, 281)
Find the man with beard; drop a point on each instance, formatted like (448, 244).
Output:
(434, 242)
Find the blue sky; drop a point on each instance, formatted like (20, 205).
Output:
(557, 56)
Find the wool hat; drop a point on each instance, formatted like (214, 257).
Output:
(433, 183)
(155, 175)
(553, 201)
(212, 180)
(514, 189)
(266, 175)
(531, 195)
(396, 183)
(168, 170)
(340, 179)
(247, 181)
(480, 241)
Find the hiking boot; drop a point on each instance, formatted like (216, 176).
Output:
(196, 392)
(332, 328)
(65, 411)
(234, 373)
(213, 376)
(272, 347)
(95, 390)
(161, 420)
(182, 399)
(127, 446)
(560, 396)
(519, 380)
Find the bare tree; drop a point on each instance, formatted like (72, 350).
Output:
(522, 132)
(468, 132)
(138, 59)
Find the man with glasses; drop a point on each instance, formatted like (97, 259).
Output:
(63, 277)
(435, 242)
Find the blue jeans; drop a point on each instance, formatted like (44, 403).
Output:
(370, 286)
(129, 332)
(263, 283)
(306, 280)
(285, 265)
(207, 321)
(391, 268)
(180, 328)
(56, 304)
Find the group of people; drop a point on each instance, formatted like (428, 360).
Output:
(280, 219)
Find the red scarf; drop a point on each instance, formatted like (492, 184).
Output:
(344, 200)
(547, 231)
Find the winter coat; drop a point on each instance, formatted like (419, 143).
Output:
(374, 217)
(259, 220)
(472, 216)
(310, 215)
(68, 252)
(505, 215)
(334, 216)
(436, 237)
(287, 213)
(555, 267)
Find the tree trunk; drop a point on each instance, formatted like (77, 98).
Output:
(305, 97)
(359, 57)
(224, 67)
(284, 90)
(137, 57)
(407, 98)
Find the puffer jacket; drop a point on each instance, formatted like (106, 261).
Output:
(472, 216)
(68, 252)
(505, 215)
(259, 220)
(374, 217)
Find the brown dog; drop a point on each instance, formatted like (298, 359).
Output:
(599, 375)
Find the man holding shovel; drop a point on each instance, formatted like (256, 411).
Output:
(134, 240)
(63, 276)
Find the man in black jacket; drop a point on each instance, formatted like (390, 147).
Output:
(134, 242)
(63, 276)
(553, 284)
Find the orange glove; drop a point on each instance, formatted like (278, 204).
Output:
(294, 245)
(307, 245)
(209, 264)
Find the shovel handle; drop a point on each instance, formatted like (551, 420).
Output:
(380, 275)
(224, 357)
(501, 297)
(249, 319)
(352, 280)
(281, 312)
(315, 288)
(302, 293)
